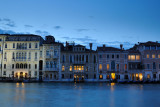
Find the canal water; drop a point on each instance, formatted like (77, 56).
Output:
(79, 95)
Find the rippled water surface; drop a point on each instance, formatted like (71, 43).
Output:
(79, 95)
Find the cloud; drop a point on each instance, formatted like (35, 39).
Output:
(42, 33)
(28, 26)
(86, 40)
(7, 22)
(81, 30)
(57, 27)
(2, 31)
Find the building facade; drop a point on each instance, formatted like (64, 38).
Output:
(24, 56)
(20, 56)
(113, 64)
(78, 63)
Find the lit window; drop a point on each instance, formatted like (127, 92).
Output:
(137, 57)
(82, 67)
(100, 76)
(148, 76)
(70, 69)
(117, 66)
(100, 66)
(63, 68)
(75, 68)
(158, 55)
(153, 56)
(125, 66)
(133, 57)
(107, 66)
(147, 55)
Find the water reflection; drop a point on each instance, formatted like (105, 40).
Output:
(79, 94)
(20, 93)
(112, 86)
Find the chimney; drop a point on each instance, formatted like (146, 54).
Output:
(66, 45)
(121, 46)
(104, 46)
(90, 44)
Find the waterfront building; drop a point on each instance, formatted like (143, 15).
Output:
(51, 59)
(112, 64)
(24, 56)
(135, 65)
(150, 59)
(78, 63)
(20, 55)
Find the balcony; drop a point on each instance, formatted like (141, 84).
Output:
(52, 56)
(79, 62)
(51, 69)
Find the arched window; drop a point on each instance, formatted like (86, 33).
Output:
(17, 65)
(113, 65)
(21, 65)
(51, 64)
(17, 55)
(5, 55)
(13, 55)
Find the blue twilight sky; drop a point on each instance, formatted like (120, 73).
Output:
(109, 22)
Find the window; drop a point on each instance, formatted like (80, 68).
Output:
(107, 56)
(63, 68)
(35, 55)
(112, 56)
(100, 76)
(117, 56)
(154, 65)
(63, 60)
(153, 56)
(36, 45)
(147, 47)
(100, 66)
(113, 65)
(47, 53)
(12, 66)
(158, 55)
(100, 56)
(94, 76)
(153, 48)
(29, 66)
(70, 68)
(13, 45)
(35, 66)
(35, 73)
(30, 45)
(148, 66)
(117, 66)
(86, 76)
(55, 52)
(4, 73)
(29, 57)
(86, 58)
(62, 75)
(13, 55)
(5, 55)
(107, 67)
(137, 57)
(125, 67)
(40, 53)
(47, 64)
(94, 58)
(5, 45)
(13, 73)
(70, 58)
(147, 56)
(4, 66)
